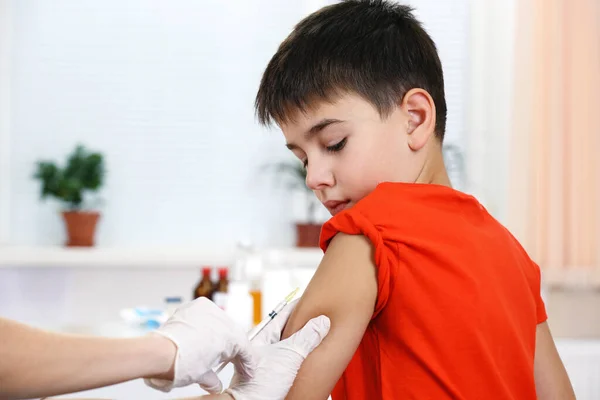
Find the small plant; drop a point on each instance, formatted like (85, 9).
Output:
(295, 173)
(83, 172)
(455, 164)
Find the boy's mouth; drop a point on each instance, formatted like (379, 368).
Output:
(335, 206)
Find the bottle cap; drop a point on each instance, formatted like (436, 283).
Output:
(223, 271)
(206, 270)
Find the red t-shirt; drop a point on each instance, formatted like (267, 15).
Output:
(457, 305)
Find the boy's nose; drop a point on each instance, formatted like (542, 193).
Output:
(318, 177)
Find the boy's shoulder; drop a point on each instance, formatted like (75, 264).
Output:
(409, 199)
(407, 211)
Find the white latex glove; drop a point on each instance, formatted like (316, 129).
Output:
(278, 362)
(205, 336)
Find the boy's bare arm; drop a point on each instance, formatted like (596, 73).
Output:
(551, 379)
(345, 289)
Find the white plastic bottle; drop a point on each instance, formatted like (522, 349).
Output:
(240, 305)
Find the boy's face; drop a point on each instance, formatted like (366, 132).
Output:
(348, 149)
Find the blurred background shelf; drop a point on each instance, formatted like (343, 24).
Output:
(142, 257)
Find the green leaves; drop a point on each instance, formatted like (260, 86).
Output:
(294, 171)
(84, 171)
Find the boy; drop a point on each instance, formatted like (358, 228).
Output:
(429, 297)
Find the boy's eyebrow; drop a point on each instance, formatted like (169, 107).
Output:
(316, 129)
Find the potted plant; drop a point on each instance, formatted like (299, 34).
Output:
(83, 172)
(308, 231)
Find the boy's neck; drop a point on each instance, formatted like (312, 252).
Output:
(434, 170)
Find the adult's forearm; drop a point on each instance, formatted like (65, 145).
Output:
(36, 363)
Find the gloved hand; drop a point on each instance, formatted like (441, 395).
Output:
(278, 362)
(205, 336)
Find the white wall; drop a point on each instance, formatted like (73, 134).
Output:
(5, 81)
(448, 24)
(166, 90)
(489, 102)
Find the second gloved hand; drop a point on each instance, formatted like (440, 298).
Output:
(205, 336)
(278, 362)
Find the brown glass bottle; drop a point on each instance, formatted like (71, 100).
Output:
(205, 286)
(223, 282)
(221, 288)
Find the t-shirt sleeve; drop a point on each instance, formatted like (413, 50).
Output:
(533, 276)
(354, 222)
(536, 288)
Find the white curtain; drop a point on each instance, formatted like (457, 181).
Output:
(554, 192)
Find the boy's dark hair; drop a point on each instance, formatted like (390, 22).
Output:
(374, 48)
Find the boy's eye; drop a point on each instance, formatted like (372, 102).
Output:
(332, 149)
(338, 146)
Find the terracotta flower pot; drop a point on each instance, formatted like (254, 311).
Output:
(307, 235)
(81, 227)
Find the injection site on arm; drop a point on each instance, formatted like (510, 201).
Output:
(344, 288)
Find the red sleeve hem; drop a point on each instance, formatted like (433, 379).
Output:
(352, 222)
(541, 314)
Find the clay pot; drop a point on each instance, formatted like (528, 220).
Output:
(307, 235)
(81, 227)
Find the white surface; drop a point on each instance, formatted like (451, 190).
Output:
(582, 361)
(134, 390)
(144, 257)
(57, 256)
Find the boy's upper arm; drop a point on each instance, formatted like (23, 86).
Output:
(551, 379)
(345, 289)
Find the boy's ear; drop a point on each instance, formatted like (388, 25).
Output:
(420, 107)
